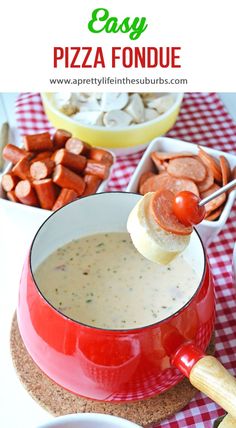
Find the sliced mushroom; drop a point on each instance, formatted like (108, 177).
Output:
(82, 96)
(135, 108)
(89, 117)
(161, 104)
(149, 114)
(62, 98)
(91, 105)
(97, 95)
(148, 96)
(65, 103)
(114, 101)
(117, 118)
(152, 95)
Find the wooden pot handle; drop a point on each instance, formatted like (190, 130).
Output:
(209, 376)
(227, 422)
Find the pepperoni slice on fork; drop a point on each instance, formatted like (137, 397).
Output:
(161, 208)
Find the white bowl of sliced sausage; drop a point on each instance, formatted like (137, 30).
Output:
(179, 165)
(48, 172)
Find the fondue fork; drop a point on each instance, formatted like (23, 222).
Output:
(218, 192)
(190, 209)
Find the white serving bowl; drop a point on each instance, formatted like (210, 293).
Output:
(25, 216)
(208, 230)
(89, 420)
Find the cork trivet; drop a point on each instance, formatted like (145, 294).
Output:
(58, 401)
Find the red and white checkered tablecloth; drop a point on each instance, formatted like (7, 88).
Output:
(203, 119)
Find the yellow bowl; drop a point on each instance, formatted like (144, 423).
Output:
(129, 139)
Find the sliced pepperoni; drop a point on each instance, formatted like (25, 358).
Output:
(161, 208)
(214, 215)
(142, 180)
(207, 182)
(165, 165)
(166, 181)
(225, 170)
(160, 165)
(166, 156)
(233, 176)
(211, 163)
(151, 184)
(234, 173)
(176, 185)
(188, 167)
(216, 202)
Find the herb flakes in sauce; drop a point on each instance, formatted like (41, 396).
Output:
(114, 285)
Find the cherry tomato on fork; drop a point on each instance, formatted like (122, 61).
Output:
(186, 208)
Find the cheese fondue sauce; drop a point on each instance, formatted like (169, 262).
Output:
(101, 280)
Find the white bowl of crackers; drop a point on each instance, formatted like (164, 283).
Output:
(179, 165)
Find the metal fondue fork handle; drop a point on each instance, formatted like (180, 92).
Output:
(218, 192)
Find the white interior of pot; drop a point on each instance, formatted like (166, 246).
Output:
(104, 212)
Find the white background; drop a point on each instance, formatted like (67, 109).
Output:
(204, 29)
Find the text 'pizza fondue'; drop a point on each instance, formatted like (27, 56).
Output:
(101, 280)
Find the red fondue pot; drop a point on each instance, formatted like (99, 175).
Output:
(119, 365)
